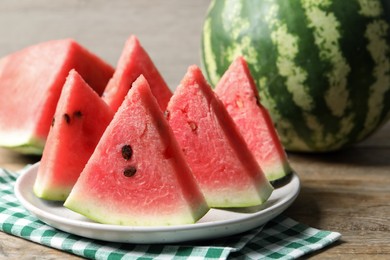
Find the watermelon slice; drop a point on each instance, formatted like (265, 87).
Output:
(30, 84)
(226, 170)
(80, 119)
(138, 174)
(133, 62)
(238, 92)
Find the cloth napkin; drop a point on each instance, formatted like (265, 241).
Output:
(280, 238)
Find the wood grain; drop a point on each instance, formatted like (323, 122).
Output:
(346, 191)
(349, 192)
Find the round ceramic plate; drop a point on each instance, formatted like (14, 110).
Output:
(215, 224)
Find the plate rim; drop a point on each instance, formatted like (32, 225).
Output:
(53, 220)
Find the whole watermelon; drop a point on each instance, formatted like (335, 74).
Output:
(321, 66)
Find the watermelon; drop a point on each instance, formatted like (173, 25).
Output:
(80, 119)
(133, 62)
(238, 93)
(137, 174)
(221, 161)
(322, 68)
(30, 84)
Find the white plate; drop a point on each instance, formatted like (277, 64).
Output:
(215, 224)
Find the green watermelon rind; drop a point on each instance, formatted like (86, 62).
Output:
(53, 194)
(95, 214)
(28, 146)
(280, 172)
(277, 183)
(250, 199)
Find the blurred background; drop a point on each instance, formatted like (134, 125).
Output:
(169, 30)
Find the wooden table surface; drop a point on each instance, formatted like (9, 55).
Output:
(346, 191)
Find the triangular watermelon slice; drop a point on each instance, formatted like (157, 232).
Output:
(238, 92)
(30, 84)
(226, 170)
(138, 174)
(80, 119)
(133, 62)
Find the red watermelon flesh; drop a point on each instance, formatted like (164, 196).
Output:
(138, 174)
(238, 92)
(30, 84)
(79, 121)
(133, 62)
(225, 169)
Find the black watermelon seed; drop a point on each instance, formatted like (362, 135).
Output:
(130, 171)
(52, 121)
(77, 113)
(166, 114)
(67, 118)
(127, 152)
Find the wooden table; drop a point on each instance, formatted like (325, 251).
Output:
(346, 191)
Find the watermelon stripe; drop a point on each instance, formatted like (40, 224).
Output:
(304, 122)
(272, 82)
(306, 56)
(376, 33)
(327, 38)
(386, 109)
(236, 27)
(211, 34)
(287, 47)
(288, 116)
(291, 78)
(360, 62)
(239, 29)
(209, 65)
(371, 8)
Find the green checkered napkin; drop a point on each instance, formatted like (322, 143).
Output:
(281, 238)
